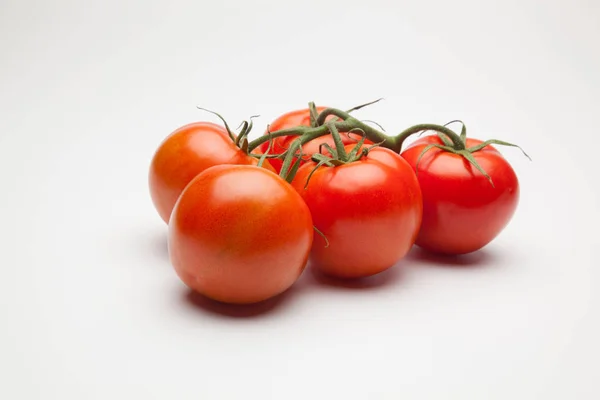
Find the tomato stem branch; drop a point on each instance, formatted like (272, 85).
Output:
(456, 140)
(339, 145)
(307, 134)
(349, 123)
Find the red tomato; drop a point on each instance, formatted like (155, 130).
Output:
(239, 234)
(462, 211)
(184, 154)
(300, 118)
(369, 210)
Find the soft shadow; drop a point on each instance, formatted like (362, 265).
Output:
(478, 259)
(156, 243)
(389, 277)
(205, 304)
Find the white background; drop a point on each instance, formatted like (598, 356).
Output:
(90, 307)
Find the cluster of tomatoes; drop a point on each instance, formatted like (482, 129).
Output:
(245, 217)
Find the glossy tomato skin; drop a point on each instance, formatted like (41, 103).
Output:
(462, 211)
(239, 234)
(369, 210)
(300, 118)
(185, 153)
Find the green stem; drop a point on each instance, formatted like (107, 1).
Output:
(456, 141)
(339, 145)
(392, 142)
(314, 133)
(296, 131)
(350, 123)
(313, 114)
(332, 111)
(375, 136)
(308, 133)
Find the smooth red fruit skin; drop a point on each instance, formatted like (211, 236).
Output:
(293, 119)
(239, 234)
(462, 211)
(185, 153)
(369, 210)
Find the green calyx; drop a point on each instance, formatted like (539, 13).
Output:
(456, 144)
(339, 155)
(241, 139)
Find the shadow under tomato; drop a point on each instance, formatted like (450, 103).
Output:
(478, 259)
(155, 242)
(205, 304)
(389, 277)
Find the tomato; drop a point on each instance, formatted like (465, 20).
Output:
(462, 211)
(300, 118)
(185, 153)
(239, 234)
(369, 211)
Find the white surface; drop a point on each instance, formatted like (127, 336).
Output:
(90, 307)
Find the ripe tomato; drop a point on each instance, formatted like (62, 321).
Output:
(300, 118)
(369, 210)
(239, 234)
(184, 154)
(462, 211)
